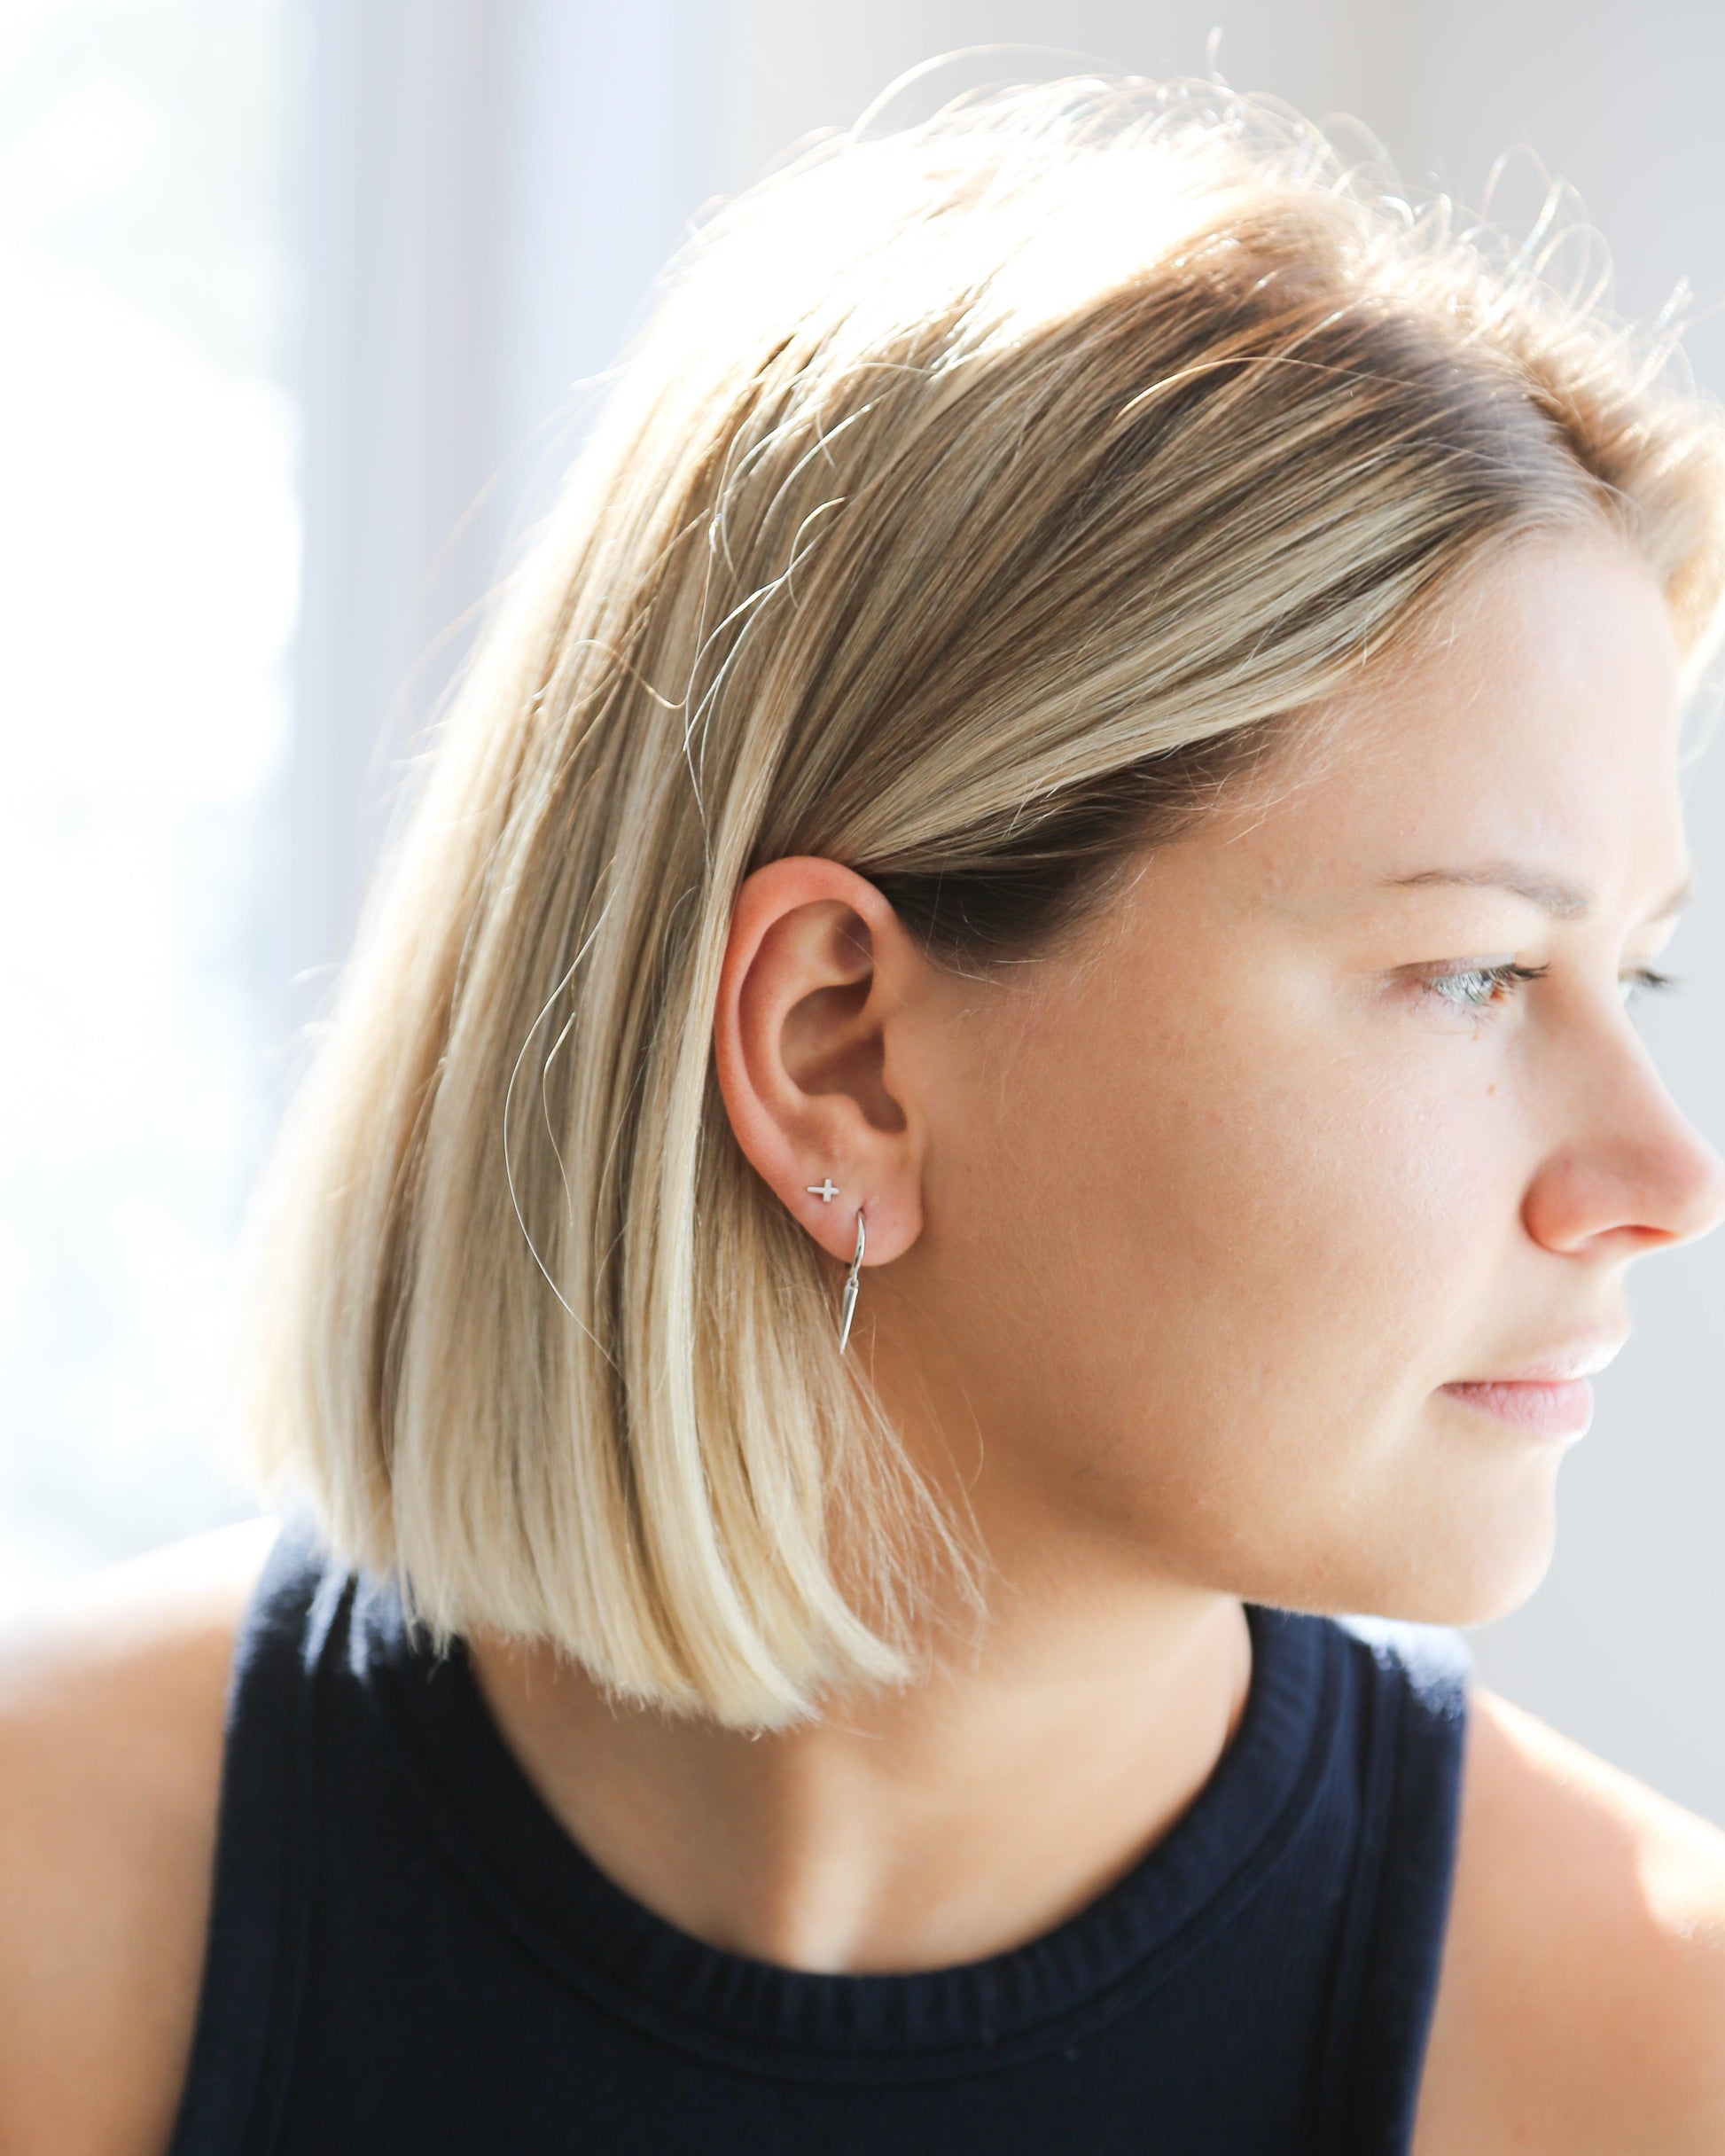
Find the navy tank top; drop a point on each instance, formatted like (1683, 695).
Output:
(407, 1951)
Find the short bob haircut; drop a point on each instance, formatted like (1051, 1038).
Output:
(976, 499)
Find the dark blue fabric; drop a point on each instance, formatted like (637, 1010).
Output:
(408, 1953)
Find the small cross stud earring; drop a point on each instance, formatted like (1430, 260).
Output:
(826, 1190)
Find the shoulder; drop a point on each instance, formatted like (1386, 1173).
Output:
(1581, 2006)
(112, 1712)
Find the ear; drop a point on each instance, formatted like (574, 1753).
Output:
(818, 981)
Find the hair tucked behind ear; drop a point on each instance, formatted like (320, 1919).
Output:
(978, 498)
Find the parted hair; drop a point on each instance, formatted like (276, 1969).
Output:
(976, 499)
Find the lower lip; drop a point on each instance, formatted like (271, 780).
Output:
(1548, 1410)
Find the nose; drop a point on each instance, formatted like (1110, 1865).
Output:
(1635, 1176)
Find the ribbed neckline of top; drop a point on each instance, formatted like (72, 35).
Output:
(1050, 1990)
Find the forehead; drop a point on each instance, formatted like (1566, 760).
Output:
(1537, 719)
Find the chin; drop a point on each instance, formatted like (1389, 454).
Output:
(1473, 1562)
(1430, 1546)
(1487, 1595)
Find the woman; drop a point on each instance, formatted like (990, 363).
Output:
(995, 1059)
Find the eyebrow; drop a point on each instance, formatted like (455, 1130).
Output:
(1553, 894)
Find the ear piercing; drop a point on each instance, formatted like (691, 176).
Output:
(847, 1308)
(826, 1190)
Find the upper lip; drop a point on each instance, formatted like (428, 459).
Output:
(1558, 1366)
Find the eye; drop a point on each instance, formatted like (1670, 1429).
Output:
(1479, 987)
(1645, 980)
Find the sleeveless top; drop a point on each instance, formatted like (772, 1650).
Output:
(407, 1951)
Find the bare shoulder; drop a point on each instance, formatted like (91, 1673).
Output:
(1582, 2001)
(111, 1727)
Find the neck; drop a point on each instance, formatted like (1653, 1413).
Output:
(903, 1830)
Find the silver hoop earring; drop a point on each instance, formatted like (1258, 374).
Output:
(847, 1308)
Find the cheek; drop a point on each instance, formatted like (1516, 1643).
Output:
(1316, 1203)
(1259, 1255)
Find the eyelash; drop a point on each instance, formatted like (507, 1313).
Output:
(1647, 979)
(1502, 981)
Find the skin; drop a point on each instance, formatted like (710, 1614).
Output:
(1180, 1238)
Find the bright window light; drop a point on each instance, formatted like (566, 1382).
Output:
(149, 550)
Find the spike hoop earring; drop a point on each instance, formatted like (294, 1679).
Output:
(847, 1308)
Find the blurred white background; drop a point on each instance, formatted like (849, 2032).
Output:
(149, 574)
(352, 270)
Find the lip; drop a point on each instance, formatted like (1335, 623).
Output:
(1549, 1395)
(1559, 1409)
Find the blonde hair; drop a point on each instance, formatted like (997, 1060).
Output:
(977, 498)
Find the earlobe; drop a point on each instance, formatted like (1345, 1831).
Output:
(812, 992)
